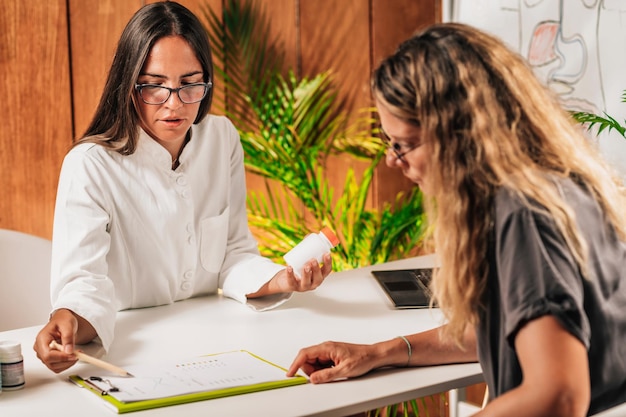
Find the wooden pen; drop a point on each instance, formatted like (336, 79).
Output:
(94, 361)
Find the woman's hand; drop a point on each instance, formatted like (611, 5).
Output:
(313, 274)
(67, 329)
(286, 281)
(330, 361)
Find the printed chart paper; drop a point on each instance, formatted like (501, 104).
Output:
(199, 374)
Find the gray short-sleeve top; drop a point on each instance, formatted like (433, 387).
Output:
(532, 273)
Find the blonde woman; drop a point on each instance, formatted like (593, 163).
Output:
(529, 227)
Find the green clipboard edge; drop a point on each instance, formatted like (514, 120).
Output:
(122, 407)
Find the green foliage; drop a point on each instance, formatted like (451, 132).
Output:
(289, 128)
(601, 122)
(408, 408)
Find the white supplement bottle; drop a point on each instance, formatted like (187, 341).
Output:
(313, 246)
(11, 365)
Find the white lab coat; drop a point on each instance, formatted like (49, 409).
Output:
(129, 232)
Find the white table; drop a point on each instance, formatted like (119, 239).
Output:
(350, 306)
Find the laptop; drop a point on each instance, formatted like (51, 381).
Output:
(406, 288)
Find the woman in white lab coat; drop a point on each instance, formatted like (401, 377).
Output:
(151, 204)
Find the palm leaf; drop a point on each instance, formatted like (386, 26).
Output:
(288, 127)
(600, 122)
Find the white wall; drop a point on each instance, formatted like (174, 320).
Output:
(576, 47)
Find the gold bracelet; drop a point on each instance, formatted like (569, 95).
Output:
(408, 345)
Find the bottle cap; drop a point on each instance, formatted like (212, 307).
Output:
(331, 236)
(9, 349)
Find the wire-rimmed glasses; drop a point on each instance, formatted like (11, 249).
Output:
(396, 147)
(158, 94)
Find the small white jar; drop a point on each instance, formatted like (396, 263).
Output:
(313, 246)
(11, 365)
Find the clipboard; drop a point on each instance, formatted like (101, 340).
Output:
(262, 375)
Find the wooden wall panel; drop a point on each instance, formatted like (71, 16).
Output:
(282, 14)
(348, 37)
(198, 7)
(335, 36)
(392, 22)
(284, 27)
(36, 129)
(95, 27)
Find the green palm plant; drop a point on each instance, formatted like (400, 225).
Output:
(289, 128)
(601, 122)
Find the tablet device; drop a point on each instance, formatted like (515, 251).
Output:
(406, 288)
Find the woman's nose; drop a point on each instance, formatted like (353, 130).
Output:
(392, 160)
(174, 101)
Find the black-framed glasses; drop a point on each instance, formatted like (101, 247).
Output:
(158, 94)
(396, 148)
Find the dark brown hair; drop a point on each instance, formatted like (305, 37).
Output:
(115, 122)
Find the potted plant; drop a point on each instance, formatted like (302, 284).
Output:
(289, 128)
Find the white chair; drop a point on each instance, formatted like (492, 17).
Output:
(24, 280)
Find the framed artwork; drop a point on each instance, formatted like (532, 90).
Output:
(576, 47)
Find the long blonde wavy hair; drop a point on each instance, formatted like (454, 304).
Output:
(490, 123)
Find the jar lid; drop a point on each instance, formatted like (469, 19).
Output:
(330, 235)
(9, 349)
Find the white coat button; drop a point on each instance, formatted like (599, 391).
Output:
(188, 275)
(185, 286)
(181, 180)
